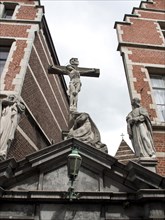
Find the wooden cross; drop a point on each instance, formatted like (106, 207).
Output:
(74, 72)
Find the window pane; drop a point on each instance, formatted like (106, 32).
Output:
(2, 64)
(161, 111)
(158, 81)
(3, 54)
(4, 51)
(8, 13)
(159, 96)
(158, 84)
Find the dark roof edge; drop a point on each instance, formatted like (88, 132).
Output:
(147, 9)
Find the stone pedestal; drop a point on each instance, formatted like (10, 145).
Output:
(149, 163)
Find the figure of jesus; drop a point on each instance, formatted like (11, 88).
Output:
(74, 72)
(74, 84)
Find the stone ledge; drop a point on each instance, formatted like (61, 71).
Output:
(140, 45)
(52, 196)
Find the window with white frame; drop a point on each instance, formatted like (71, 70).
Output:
(162, 27)
(8, 11)
(5, 46)
(158, 86)
(4, 51)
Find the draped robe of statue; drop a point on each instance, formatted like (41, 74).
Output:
(9, 119)
(86, 131)
(140, 132)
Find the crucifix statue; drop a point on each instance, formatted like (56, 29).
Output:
(74, 72)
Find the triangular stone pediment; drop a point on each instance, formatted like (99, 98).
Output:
(46, 170)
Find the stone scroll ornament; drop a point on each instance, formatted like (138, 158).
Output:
(85, 130)
(140, 130)
(10, 111)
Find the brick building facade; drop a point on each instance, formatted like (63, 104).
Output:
(36, 187)
(26, 51)
(141, 39)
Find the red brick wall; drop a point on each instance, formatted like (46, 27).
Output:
(20, 147)
(33, 98)
(136, 32)
(15, 66)
(43, 120)
(54, 85)
(151, 15)
(27, 12)
(158, 5)
(10, 30)
(44, 84)
(148, 56)
(145, 48)
(28, 125)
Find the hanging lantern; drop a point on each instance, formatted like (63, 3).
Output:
(74, 163)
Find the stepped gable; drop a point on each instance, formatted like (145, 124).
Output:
(124, 153)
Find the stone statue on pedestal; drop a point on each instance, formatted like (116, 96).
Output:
(11, 109)
(85, 130)
(140, 130)
(81, 125)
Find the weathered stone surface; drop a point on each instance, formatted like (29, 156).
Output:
(70, 211)
(37, 187)
(19, 210)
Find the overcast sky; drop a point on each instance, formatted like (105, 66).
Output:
(85, 29)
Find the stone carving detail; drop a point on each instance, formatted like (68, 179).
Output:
(74, 73)
(74, 84)
(10, 110)
(140, 130)
(84, 129)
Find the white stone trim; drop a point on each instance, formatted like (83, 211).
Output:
(44, 49)
(55, 79)
(137, 13)
(16, 23)
(27, 138)
(2, 8)
(50, 85)
(160, 154)
(146, 19)
(129, 72)
(26, 106)
(143, 5)
(39, 14)
(160, 32)
(119, 33)
(14, 17)
(50, 64)
(19, 79)
(44, 98)
(5, 69)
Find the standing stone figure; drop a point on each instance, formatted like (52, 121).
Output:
(74, 73)
(11, 109)
(140, 130)
(85, 130)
